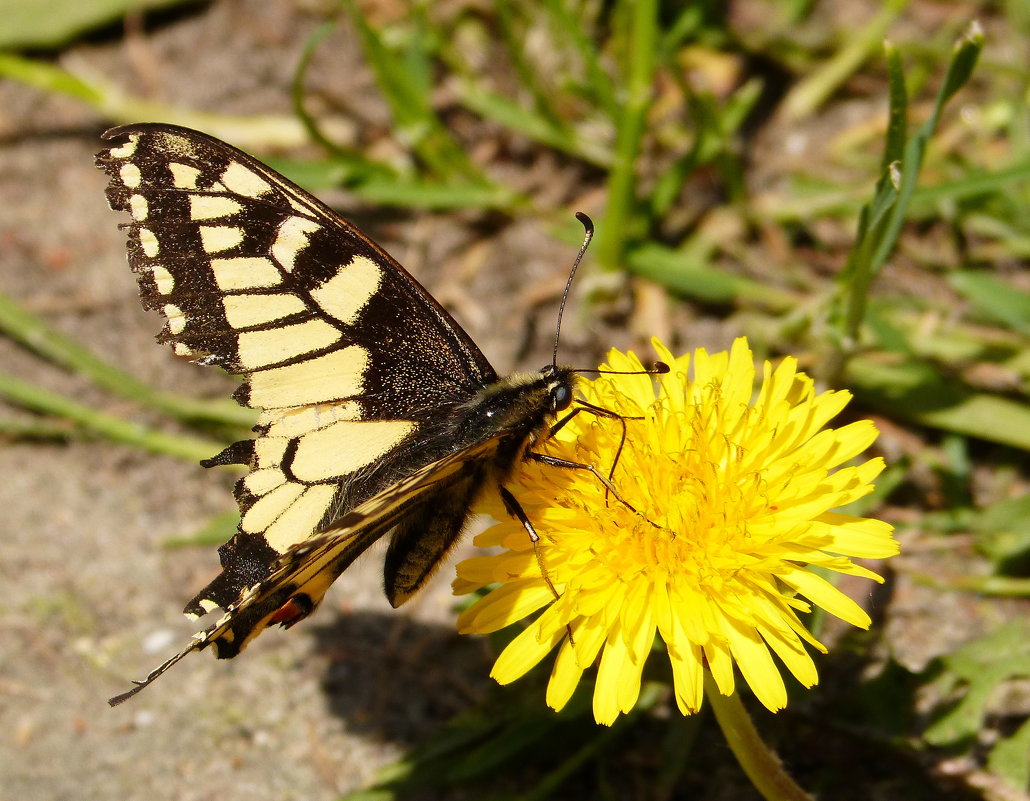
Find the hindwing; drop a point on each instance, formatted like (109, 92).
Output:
(300, 577)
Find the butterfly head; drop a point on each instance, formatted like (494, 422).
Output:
(560, 385)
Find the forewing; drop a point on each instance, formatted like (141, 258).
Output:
(344, 352)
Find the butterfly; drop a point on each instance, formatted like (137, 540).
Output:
(379, 416)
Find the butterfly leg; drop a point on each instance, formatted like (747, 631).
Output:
(514, 508)
(600, 411)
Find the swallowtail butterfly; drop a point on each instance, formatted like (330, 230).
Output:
(379, 416)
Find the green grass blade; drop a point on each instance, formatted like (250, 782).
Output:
(687, 273)
(358, 167)
(599, 86)
(960, 68)
(614, 230)
(31, 24)
(857, 275)
(404, 80)
(28, 396)
(814, 90)
(513, 35)
(994, 298)
(528, 123)
(915, 391)
(35, 334)
(252, 131)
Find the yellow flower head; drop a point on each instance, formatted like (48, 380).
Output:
(725, 508)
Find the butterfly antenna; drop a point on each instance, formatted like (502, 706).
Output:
(588, 228)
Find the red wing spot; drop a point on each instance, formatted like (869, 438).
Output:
(293, 611)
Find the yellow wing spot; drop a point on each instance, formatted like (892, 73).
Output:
(138, 207)
(296, 422)
(126, 150)
(183, 175)
(216, 238)
(176, 144)
(243, 181)
(300, 520)
(292, 239)
(148, 242)
(176, 319)
(268, 451)
(163, 280)
(245, 272)
(182, 349)
(263, 513)
(299, 207)
(211, 207)
(345, 447)
(245, 311)
(263, 481)
(335, 376)
(259, 349)
(345, 294)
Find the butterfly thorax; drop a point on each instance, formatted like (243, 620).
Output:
(519, 408)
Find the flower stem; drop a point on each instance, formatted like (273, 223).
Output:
(761, 765)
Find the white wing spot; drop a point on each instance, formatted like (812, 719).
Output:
(345, 294)
(268, 451)
(299, 521)
(246, 311)
(245, 272)
(148, 242)
(211, 207)
(163, 280)
(138, 207)
(292, 239)
(334, 376)
(296, 422)
(263, 513)
(262, 481)
(243, 181)
(176, 319)
(346, 446)
(130, 175)
(216, 238)
(183, 175)
(126, 150)
(258, 349)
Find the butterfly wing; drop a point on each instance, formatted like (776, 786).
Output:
(300, 577)
(346, 355)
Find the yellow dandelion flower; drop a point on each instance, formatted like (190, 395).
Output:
(727, 507)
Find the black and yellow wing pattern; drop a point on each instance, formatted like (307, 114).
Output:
(379, 415)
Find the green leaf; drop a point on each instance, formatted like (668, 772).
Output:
(31, 24)
(1008, 758)
(1004, 528)
(978, 668)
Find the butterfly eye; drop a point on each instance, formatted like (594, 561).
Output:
(561, 397)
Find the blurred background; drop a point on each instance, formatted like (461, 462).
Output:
(761, 168)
